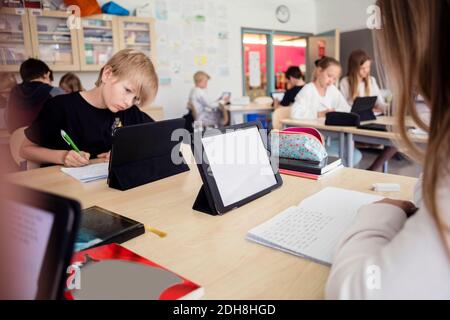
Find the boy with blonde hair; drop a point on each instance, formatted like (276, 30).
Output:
(90, 117)
(207, 112)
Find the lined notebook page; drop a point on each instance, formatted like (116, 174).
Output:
(313, 229)
(88, 173)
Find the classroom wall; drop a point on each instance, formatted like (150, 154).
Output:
(346, 15)
(239, 13)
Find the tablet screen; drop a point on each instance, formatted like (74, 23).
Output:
(239, 163)
(28, 231)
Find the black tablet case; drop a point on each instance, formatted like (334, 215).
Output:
(110, 227)
(142, 154)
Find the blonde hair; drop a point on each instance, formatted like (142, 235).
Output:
(199, 76)
(415, 50)
(136, 67)
(70, 82)
(355, 61)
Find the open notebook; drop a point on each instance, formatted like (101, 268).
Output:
(88, 173)
(313, 228)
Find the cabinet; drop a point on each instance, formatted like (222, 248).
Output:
(46, 36)
(98, 41)
(53, 41)
(15, 39)
(137, 33)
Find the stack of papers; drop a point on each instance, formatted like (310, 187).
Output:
(88, 173)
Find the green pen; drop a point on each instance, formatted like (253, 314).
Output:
(69, 141)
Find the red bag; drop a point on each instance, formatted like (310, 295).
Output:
(87, 7)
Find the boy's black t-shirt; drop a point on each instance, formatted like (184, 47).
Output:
(290, 95)
(90, 128)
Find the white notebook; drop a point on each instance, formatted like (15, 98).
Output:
(313, 228)
(88, 173)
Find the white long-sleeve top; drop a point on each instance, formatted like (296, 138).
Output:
(410, 256)
(373, 92)
(206, 109)
(309, 102)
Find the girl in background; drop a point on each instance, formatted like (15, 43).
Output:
(70, 83)
(320, 97)
(359, 83)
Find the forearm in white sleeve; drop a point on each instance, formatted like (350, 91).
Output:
(366, 245)
(377, 92)
(208, 105)
(342, 105)
(302, 109)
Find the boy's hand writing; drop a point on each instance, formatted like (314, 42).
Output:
(75, 159)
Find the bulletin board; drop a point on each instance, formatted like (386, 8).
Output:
(191, 35)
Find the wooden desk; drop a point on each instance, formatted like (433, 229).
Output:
(212, 251)
(237, 113)
(354, 134)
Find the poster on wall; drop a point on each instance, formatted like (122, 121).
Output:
(194, 36)
(254, 69)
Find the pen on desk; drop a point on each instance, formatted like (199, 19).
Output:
(160, 233)
(69, 141)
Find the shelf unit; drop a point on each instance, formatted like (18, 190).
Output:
(98, 41)
(15, 39)
(53, 42)
(44, 35)
(137, 32)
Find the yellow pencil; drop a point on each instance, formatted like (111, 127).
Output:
(160, 233)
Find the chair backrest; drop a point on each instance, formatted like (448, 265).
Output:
(15, 142)
(265, 101)
(280, 114)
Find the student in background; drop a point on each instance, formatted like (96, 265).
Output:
(294, 84)
(70, 83)
(90, 117)
(206, 111)
(359, 83)
(27, 99)
(394, 250)
(321, 96)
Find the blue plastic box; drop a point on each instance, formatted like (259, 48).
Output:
(113, 8)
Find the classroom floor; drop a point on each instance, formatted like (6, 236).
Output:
(398, 165)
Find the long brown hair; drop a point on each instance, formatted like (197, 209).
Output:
(415, 50)
(355, 61)
(70, 82)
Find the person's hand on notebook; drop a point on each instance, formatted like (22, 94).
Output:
(75, 159)
(104, 156)
(408, 207)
